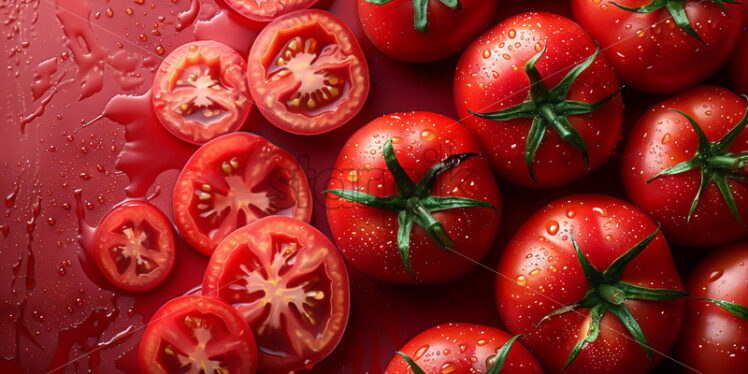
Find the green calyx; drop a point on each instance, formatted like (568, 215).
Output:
(494, 368)
(677, 10)
(716, 164)
(421, 9)
(413, 203)
(734, 308)
(607, 293)
(550, 109)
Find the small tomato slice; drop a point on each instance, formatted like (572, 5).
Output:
(197, 334)
(307, 73)
(200, 91)
(135, 246)
(290, 284)
(235, 180)
(266, 10)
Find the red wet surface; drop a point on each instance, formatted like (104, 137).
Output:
(64, 137)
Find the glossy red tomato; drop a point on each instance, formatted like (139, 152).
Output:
(713, 339)
(438, 30)
(739, 63)
(267, 10)
(134, 246)
(663, 139)
(380, 241)
(557, 126)
(290, 284)
(233, 181)
(196, 334)
(307, 72)
(650, 51)
(540, 273)
(200, 91)
(462, 348)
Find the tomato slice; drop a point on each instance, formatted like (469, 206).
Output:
(307, 72)
(197, 334)
(266, 10)
(234, 180)
(200, 91)
(290, 284)
(135, 246)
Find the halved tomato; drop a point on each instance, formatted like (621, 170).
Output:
(266, 10)
(290, 284)
(197, 334)
(232, 181)
(134, 246)
(307, 73)
(200, 91)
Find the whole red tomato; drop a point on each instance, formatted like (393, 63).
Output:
(591, 284)
(463, 348)
(424, 31)
(426, 202)
(550, 123)
(685, 183)
(738, 71)
(662, 46)
(715, 334)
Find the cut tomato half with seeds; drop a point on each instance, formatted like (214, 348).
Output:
(290, 284)
(266, 10)
(135, 246)
(307, 73)
(200, 91)
(235, 180)
(196, 334)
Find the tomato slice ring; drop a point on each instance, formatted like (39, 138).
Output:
(266, 10)
(290, 284)
(200, 91)
(194, 334)
(235, 180)
(307, 73)
(134, 246)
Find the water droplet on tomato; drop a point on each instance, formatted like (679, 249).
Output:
(666, 138)
(713, 276)
(535, 272)
(521, 280)
(428, 135)
(552, 227)
(420, 352)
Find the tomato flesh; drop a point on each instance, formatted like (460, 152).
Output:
(200, 91)
(307, 73)
(135, 246)
(233, 181)
(266, 10)
(291, 286)
(196, 334)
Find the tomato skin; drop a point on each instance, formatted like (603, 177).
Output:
(661, 59)
(466, 346)
(274, 85)
(662, 138)
(490, 77)
(539, 272)
(739, 62)
(220, 72)
(290, 260)
(266, 173)
(714, 340)
(173, 318)
(390, 28)
(420, 140)
(140, 218)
